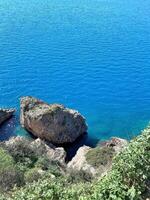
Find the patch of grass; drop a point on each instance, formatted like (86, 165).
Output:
(100, 156)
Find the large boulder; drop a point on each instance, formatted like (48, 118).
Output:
(52, 122)
(97, 161)
(5, 114)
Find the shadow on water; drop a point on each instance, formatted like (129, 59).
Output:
(71, 149)
(8, 128)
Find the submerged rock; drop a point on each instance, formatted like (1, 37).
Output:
(52, 122)
(5, 114)
(98, 160)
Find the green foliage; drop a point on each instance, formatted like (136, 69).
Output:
(23, 153)
(9, 175)
(52, 190)
(74, 177)
(129, 174)
(100, 156)
(33, 174)
(127, 180)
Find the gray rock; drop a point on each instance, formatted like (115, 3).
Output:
(52, 122)
(5, 114)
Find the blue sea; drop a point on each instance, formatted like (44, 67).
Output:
(90, 55)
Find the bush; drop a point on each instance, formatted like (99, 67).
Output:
(100, 156)
(78, 176)
(23, 153)
(52, 190)
(130, 172)
(32, 175)
(53, 167)
(9, 175)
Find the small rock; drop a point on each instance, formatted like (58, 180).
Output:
(5, 114)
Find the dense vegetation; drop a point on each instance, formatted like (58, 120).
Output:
(128, 179)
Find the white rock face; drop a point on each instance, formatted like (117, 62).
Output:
(79, 161)
(51, 122)
(6, 114)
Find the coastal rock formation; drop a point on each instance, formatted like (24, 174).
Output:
(52, 122)
(79, 161)
(38, 147)
(5, 114)
(97, 160)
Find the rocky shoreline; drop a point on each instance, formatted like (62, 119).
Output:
(55, 125)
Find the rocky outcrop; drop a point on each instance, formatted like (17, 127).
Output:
(52, 152)
(52, 122)
(38, 147)
(116, 143)
(79, 161)
(5, 114)
(97, 161)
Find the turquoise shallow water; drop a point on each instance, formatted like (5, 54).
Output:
(89, 55)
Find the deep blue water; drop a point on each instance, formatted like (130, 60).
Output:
(93, 56)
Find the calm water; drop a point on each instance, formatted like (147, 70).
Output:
(93, 56)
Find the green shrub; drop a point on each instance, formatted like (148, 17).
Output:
(100, 156)
(9, 175)
(52, 190)
(33, 175)
(78, 176)
(23, 153)
(130, 172)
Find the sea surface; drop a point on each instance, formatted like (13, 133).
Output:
(90, 55)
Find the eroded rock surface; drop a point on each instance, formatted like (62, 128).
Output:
(52, 122)
(5, 114)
